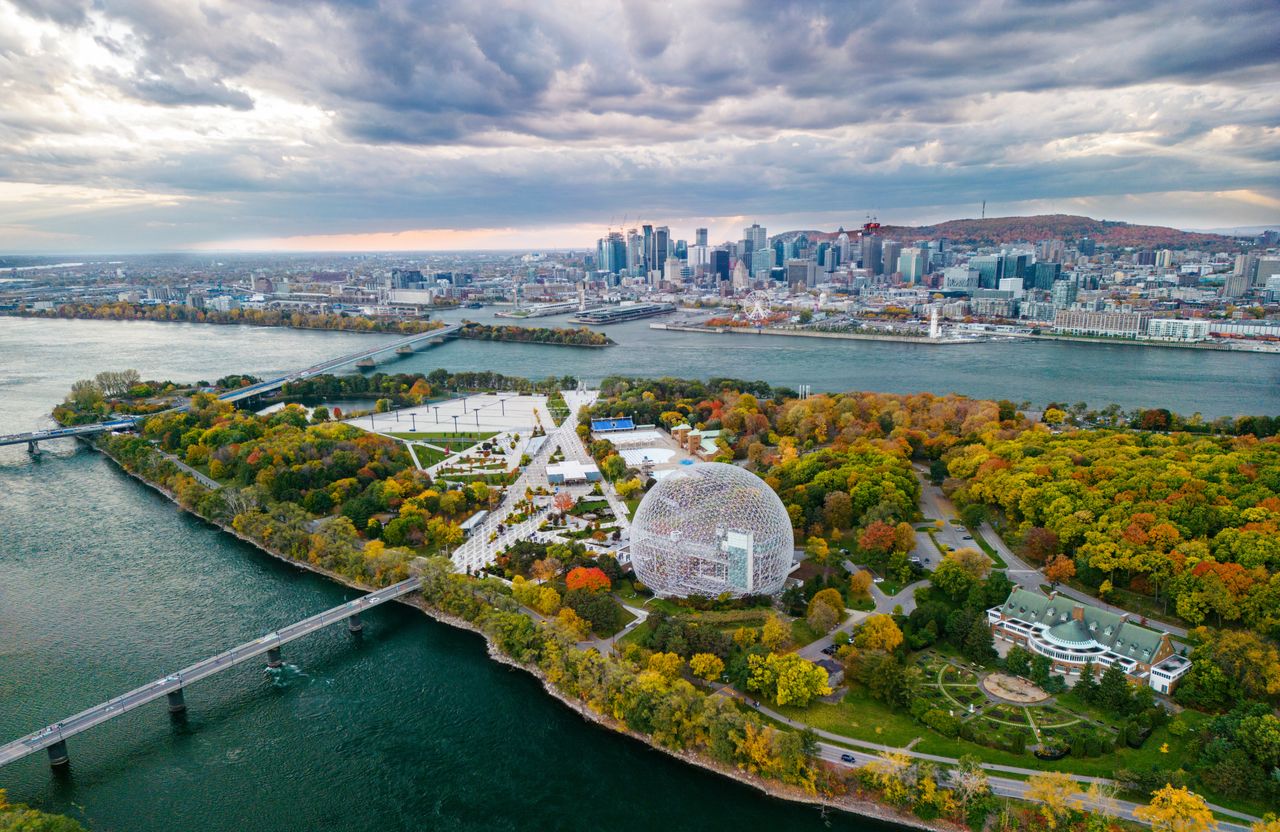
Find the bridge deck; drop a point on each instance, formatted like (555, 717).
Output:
(152, 691)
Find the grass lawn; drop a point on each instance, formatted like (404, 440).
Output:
(802, 633)
(632, 504)
(428, 456)
(986, 547)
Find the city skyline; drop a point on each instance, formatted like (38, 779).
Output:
(403, 126)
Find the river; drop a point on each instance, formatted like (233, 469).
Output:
(105, 585)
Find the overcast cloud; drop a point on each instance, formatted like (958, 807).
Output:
(145, 124)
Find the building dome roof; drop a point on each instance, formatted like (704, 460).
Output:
(1070, 633)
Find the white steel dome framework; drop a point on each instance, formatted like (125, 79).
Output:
(710, 529)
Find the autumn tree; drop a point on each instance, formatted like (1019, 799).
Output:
(860, 583)
(562, 501)
(1060, 570)
(774, 633)
(707, 666)
(1039, 544)
(1055, 792)
(787, 679)
(1177, 810)
(666, 665)
(877, 539)
(589, 578)
(878, 632)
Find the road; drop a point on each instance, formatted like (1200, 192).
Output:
(1010, 787)
(136, 698)
(936, 505)
(1006, 786)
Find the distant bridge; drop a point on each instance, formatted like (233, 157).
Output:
(54, 737)
(400, 345)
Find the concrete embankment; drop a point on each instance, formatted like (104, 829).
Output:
(808, 333)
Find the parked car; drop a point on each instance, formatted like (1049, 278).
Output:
(848, 758)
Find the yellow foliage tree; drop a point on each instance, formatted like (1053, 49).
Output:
(774, 633)
(1054, 791)
(878, 632)
(666, 664)
(707, 666)
(1177, 810)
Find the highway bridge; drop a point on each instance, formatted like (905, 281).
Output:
(54, 737)
(399, 345)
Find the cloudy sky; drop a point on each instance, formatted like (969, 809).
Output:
(135, 125)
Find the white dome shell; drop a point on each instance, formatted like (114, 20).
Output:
(710, 529)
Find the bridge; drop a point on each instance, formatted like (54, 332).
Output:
(54, 737)
(398, 346)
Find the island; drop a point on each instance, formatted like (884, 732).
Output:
(996, 617)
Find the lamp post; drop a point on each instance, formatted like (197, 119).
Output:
(372, 426)
(414, 418)
(455, 425)
(437, 410)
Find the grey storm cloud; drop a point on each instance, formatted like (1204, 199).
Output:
(318, 117)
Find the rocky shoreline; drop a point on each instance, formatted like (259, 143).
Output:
(853, 805)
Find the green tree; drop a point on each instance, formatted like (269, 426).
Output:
(1113, 690)
(787, 679)
(707, 666)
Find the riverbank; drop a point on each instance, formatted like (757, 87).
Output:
(852, 804)
(1243, 346)
(801, 333)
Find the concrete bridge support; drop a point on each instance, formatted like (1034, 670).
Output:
(177, 703)
(354, 624)
(33, 448)
(273, 657)
(58, 753)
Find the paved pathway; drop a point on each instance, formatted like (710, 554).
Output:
(1011, 787)
(936, 505)
(206, 481)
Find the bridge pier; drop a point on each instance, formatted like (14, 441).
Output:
(177, 703)
(354, 624)
(33, 447)
(273, 657)
(58, 754)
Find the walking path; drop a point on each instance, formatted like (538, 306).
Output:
(1014, 788)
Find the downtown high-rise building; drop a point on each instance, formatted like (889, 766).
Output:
(890, 251)
(700, 237)
(756, 235)
(762, 263)
(913, 264)
(611, 253)
(871, 254)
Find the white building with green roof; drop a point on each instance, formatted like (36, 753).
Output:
(1072, 634)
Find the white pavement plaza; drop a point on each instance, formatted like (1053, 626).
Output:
(478, 550)
(497, 412)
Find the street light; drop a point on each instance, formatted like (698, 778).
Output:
(455, 425)
(372, 426)
(414, 418)
(437, 410)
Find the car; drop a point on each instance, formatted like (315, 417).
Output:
(848, 758)
(877, 580)
(830, 649)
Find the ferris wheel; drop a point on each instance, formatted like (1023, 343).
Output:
(757, 307)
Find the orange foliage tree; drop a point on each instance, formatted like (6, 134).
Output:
(590, 578)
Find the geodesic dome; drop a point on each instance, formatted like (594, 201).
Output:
(710, 529)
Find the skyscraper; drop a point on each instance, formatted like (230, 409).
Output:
(700, 237)
(989, 268)
(871, 253)
(891, 250)
(912, 265)
(762, 263)
(612, 253)
(756, 235)
(647, 266)
(719, 264)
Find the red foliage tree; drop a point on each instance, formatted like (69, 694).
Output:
(590, 578)
(878, 538)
